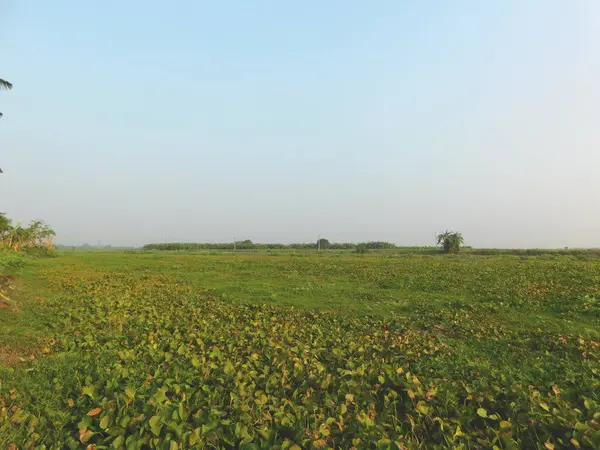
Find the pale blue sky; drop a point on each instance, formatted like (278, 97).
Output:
(135, 121)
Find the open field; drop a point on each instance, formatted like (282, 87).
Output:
(331, 350)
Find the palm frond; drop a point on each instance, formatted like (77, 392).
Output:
(5, 84)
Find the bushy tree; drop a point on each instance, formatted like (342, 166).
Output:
(323, 243)
(40, 234)
(450, 241)
(17, 237)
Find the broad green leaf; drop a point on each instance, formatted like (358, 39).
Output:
(183, 412)
(129, 392)
(104, 422)
(118, 442)
(89, 391)
(229, 368)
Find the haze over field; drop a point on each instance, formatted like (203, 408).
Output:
(132, 122)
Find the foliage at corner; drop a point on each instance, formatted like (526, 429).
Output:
(450, 241)
(4, 85)
(37, 234)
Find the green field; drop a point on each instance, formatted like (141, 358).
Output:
(301, 350)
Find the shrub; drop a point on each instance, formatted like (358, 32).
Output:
(40, 252)
(11, 260)
(361, 249)
(450, 241)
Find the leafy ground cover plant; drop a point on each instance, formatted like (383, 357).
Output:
(190, 351)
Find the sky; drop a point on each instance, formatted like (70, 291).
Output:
(142, 121)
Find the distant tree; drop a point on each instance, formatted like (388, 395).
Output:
(450, 241)
(361, 249)
(323, 243)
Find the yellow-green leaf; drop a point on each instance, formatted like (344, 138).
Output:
(104, 423)
(129, 392)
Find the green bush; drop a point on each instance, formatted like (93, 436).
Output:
(361, 249)
(10, 260)
(40, 252)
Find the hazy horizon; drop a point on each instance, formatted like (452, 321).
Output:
(135, 122)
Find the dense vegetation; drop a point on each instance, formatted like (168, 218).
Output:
(17, 237)
(308, 351)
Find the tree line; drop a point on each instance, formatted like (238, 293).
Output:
(449, 241)
(322, 244)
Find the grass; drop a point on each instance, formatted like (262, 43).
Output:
(307, 349)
